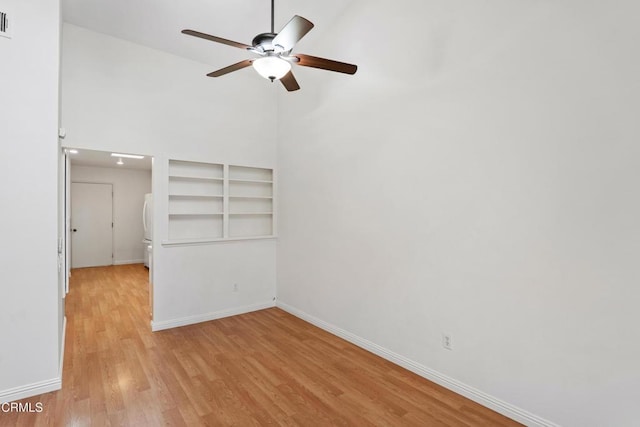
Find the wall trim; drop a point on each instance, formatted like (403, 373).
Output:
(128, 261)
(30, 390)
(40, 387)
(62, 346)
(190, 320)
(465, 390)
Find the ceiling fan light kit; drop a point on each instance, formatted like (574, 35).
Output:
(272, 67)
(274, 49)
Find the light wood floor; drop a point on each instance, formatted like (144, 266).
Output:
(262, 368)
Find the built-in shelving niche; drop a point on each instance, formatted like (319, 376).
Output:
(211, 202)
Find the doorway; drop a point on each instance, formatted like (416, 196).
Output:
(91, 224)
(128, 180)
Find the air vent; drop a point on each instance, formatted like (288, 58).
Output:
(5, 29)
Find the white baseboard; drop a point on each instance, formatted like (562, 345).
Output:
(34, 389)
(184, 321)
(130, 261)
(465, 390)
(41, 387)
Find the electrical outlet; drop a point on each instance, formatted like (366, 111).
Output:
(235, 287)
(447, 341)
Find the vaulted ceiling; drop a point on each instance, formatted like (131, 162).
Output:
(157, 23)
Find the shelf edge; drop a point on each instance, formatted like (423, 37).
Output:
(196, 242)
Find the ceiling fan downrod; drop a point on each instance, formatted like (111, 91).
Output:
(273, 16)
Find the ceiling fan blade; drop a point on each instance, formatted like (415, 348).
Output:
(291, 33)
(290, 82)
(326, 64)
(215, 39)
(231, 68)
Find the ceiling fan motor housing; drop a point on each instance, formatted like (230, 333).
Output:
(264, 41)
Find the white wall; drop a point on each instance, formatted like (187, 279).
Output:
(119, 96)
(29, 305)
(479, 177)
(129, 188)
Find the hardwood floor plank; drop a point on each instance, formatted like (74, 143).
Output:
(258, 369)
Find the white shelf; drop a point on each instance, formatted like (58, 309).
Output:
(195, 178)
(251, 197)
(205, 241)
(196, 200)
(193, 196)
(250, 213)
(251, 202)
(252, 174)
(196, 214)
(254, 181)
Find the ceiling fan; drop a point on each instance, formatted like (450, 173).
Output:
(274, 50)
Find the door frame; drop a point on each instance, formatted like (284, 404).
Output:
(67, 220)
(65, 189)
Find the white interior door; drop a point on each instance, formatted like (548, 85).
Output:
(91, 224)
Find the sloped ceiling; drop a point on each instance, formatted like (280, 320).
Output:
(157, 23)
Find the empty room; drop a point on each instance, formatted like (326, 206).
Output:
(362, 212)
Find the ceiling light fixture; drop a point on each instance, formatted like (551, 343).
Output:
(127, 156)
(120, 162)
(73, 151)
(272, 67)
(275, 51)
